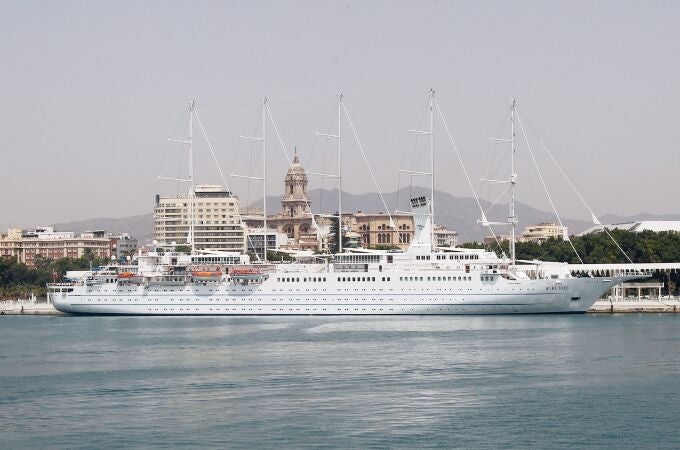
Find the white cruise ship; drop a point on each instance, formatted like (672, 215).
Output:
(421, 280)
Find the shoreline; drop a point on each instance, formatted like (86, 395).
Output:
(602, 306)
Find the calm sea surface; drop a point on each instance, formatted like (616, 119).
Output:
(358, 382)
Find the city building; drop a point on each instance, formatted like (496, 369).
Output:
(375, 231)
(255, 241)
(308, 231)
(533, 233)
(122, 245)
(216, 221)
(444, 237)
(542, 232)
(27, 246)
(491, 241)
(295, 218)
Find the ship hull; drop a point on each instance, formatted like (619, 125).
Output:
(575, 295)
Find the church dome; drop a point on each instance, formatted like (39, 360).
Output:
(296, 167)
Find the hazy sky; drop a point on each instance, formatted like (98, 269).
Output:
(92, 90)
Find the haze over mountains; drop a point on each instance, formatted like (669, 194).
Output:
(456, 213)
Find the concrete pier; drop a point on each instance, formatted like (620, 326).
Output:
(27, 308)
(637, 305)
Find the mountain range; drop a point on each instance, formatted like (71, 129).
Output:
(456, 213)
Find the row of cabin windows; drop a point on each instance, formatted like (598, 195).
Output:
(323, 279)
(215, 260)
(435, 278)
(440, 257)
(358, 258)
(487, 278)
(362, 278)
(297, 280)
(454, 256)
(556, 288)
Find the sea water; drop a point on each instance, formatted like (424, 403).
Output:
(569, 381)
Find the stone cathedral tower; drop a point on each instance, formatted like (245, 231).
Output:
(296, 200)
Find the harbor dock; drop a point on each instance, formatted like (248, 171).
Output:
(27, 308)
(636, 305)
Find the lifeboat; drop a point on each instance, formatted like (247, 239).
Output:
(130, 277)
(244, 271)
(206, 275)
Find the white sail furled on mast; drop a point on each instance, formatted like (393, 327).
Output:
(421, 208)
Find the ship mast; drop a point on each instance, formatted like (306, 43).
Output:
(433, 244)
(264, 176)
(339, 236)
(192, 189)
(512, 219)
(339, 174)
(190, 179)
(512, 180)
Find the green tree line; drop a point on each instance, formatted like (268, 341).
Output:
(17, 280)
(598, 248)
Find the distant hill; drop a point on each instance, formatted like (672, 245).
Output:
(456, 213)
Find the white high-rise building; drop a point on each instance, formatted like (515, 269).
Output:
(216, 220)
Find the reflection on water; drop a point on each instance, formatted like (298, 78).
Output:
(505, 381)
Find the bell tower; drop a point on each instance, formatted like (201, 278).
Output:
(296, 200)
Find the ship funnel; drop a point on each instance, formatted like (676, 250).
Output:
(421, 209)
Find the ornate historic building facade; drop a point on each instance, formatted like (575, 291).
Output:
(296, 220)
